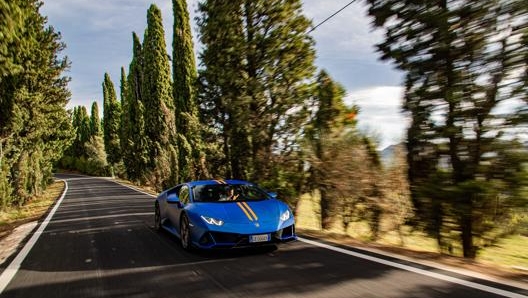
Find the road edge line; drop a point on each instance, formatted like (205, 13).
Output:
(435, 275)
(128, 186)
(8, 274)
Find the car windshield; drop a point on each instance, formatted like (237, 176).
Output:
(228, 192)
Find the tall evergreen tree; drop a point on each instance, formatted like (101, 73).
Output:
(457, 59)
(135, 153)
(189, 145)
(156, 95)
(95, 121)
(124, 121)
(257, 58)
(34, 124)
(84, 130)
(111, 118)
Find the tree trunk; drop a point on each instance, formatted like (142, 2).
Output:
(326, 219)
(467, 235)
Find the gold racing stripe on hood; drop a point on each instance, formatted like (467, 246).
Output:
(245, 211)
(250, 210)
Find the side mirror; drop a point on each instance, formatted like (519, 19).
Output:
(272, 194)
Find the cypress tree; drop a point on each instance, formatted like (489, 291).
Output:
(85, 131)
(124, 121)
(135, 155)
(189, 147)
(111, 118)
(156, 96)
(95, 121)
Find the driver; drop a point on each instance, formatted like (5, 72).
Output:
(231, 194)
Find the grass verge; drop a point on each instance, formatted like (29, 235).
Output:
(508, 258)
(32, 210)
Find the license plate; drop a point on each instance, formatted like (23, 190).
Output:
(259, 238)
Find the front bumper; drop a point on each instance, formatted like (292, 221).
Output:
(211, 240)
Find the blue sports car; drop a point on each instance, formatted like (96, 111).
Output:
(223, 214)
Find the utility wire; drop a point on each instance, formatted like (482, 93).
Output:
(331, 16)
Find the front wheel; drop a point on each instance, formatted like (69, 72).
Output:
(157, 217)
(185, 233)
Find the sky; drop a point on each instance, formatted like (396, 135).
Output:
(98, 37)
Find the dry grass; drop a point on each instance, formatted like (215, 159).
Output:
(32, 210)
(509, 255)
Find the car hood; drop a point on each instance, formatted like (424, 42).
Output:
(243, 212)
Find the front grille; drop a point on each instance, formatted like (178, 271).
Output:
(226, 240)
(224, 237)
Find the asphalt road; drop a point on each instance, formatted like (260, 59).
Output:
(100, 242)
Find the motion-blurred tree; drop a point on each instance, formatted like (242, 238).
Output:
(156, 95)
(257, 60)
(397, 203)
(111, 118)
(329, 123)
(344, 165)
(462, 62)
(189, 144)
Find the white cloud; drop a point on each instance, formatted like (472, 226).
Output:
(380, 112)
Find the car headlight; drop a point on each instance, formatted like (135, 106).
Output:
(212, 221)
(285, 215)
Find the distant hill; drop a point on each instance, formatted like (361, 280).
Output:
(387, 154)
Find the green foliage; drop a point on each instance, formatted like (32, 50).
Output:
(455, 88)
(95, 121)
(111, 118)
(34, 125)
(134, 142)
(12, 19)
(96, 157)
(87, 153)
(188, 128)
(156, 96)
(253, 89)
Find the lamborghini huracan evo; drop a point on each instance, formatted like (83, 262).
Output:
(223, 214)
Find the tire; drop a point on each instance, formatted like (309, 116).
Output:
(157, 217)
(185, 233)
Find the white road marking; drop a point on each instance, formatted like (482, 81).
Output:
(13, 267)
(133, 188)
(416, 270)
